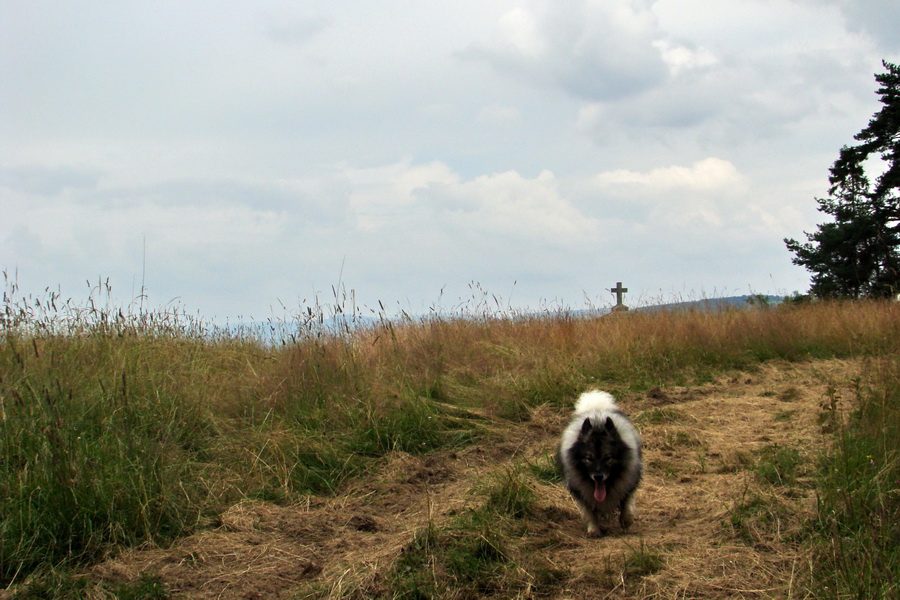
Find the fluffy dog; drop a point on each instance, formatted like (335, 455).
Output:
(599, 457)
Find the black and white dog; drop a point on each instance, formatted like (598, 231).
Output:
(599, 458)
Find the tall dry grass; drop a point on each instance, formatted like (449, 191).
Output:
(120, 428)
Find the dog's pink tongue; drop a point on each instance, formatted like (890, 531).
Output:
(599, 492)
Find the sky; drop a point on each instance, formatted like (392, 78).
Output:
(245, 160)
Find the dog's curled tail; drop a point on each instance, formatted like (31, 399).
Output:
(595, 400)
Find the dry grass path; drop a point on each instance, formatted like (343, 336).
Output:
(715, 528)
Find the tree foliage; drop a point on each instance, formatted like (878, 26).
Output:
(856, 254)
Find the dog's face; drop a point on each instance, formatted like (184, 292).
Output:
(600, 452)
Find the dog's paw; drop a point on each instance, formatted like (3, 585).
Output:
(594, 531)
(626, 520)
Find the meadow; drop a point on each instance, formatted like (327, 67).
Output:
(123, 431)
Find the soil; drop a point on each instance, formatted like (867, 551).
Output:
(698, 443)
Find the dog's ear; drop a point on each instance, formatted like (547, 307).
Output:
(586, 427)
(609, 425)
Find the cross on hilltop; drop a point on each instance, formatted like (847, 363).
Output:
(619, 291)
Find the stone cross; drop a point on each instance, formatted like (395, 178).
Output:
(619, 291)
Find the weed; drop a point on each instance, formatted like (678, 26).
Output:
(783, 416)
(779, 465)
(510, 494)
(679, 439)
(544, 469)
(148, 587)
(52, 585)
(857, 522)
(756, 519)
(789, 394)
(643, 561)
(657, 416)
(413, 576)
(701, 462)
(469, 554)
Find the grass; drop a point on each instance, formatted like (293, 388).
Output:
(854, 535)
(510, 493)
(481, 552)
(779, 465)
(545, 469)
(118, 428)
(852, 538)
(643, 561)
(658, 416)
(62, 584)
(760, 518)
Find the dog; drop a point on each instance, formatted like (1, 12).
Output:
(599, 458)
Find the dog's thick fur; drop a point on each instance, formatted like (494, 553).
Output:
(599, 458)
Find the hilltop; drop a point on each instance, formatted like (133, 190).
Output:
(149, 459)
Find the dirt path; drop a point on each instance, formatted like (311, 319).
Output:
(701, 508)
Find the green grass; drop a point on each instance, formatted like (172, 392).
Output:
(469, 555)
(643, 561)
(784, 416)
(760, 517)
(544, 469)
(857, 525)
(118, 429)
(63, 584)
(779, 465)
(658, 416)
(852, 538)
(510, 493)
(477, 553)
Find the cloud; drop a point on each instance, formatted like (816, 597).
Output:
(680, 57)
(512, 205)
(499, 115)
(296, 29)
(591, 50)
(679, 202)
(879, 19)
(719, 91)
(394, 197)
(46, 180)
(708, 174)
(401, 218)
(379, 196)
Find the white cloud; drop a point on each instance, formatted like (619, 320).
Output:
(519, 28)
(706, 175)
(381, 195)
(499, 115)
(592, 50)
(877, 18)
(681, 58)
(296, 29)
(393, 198)
(509, 204)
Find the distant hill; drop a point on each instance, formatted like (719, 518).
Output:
(716, 304)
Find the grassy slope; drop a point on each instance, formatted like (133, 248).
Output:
(118, 432)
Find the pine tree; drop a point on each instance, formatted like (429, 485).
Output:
(857, 254)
